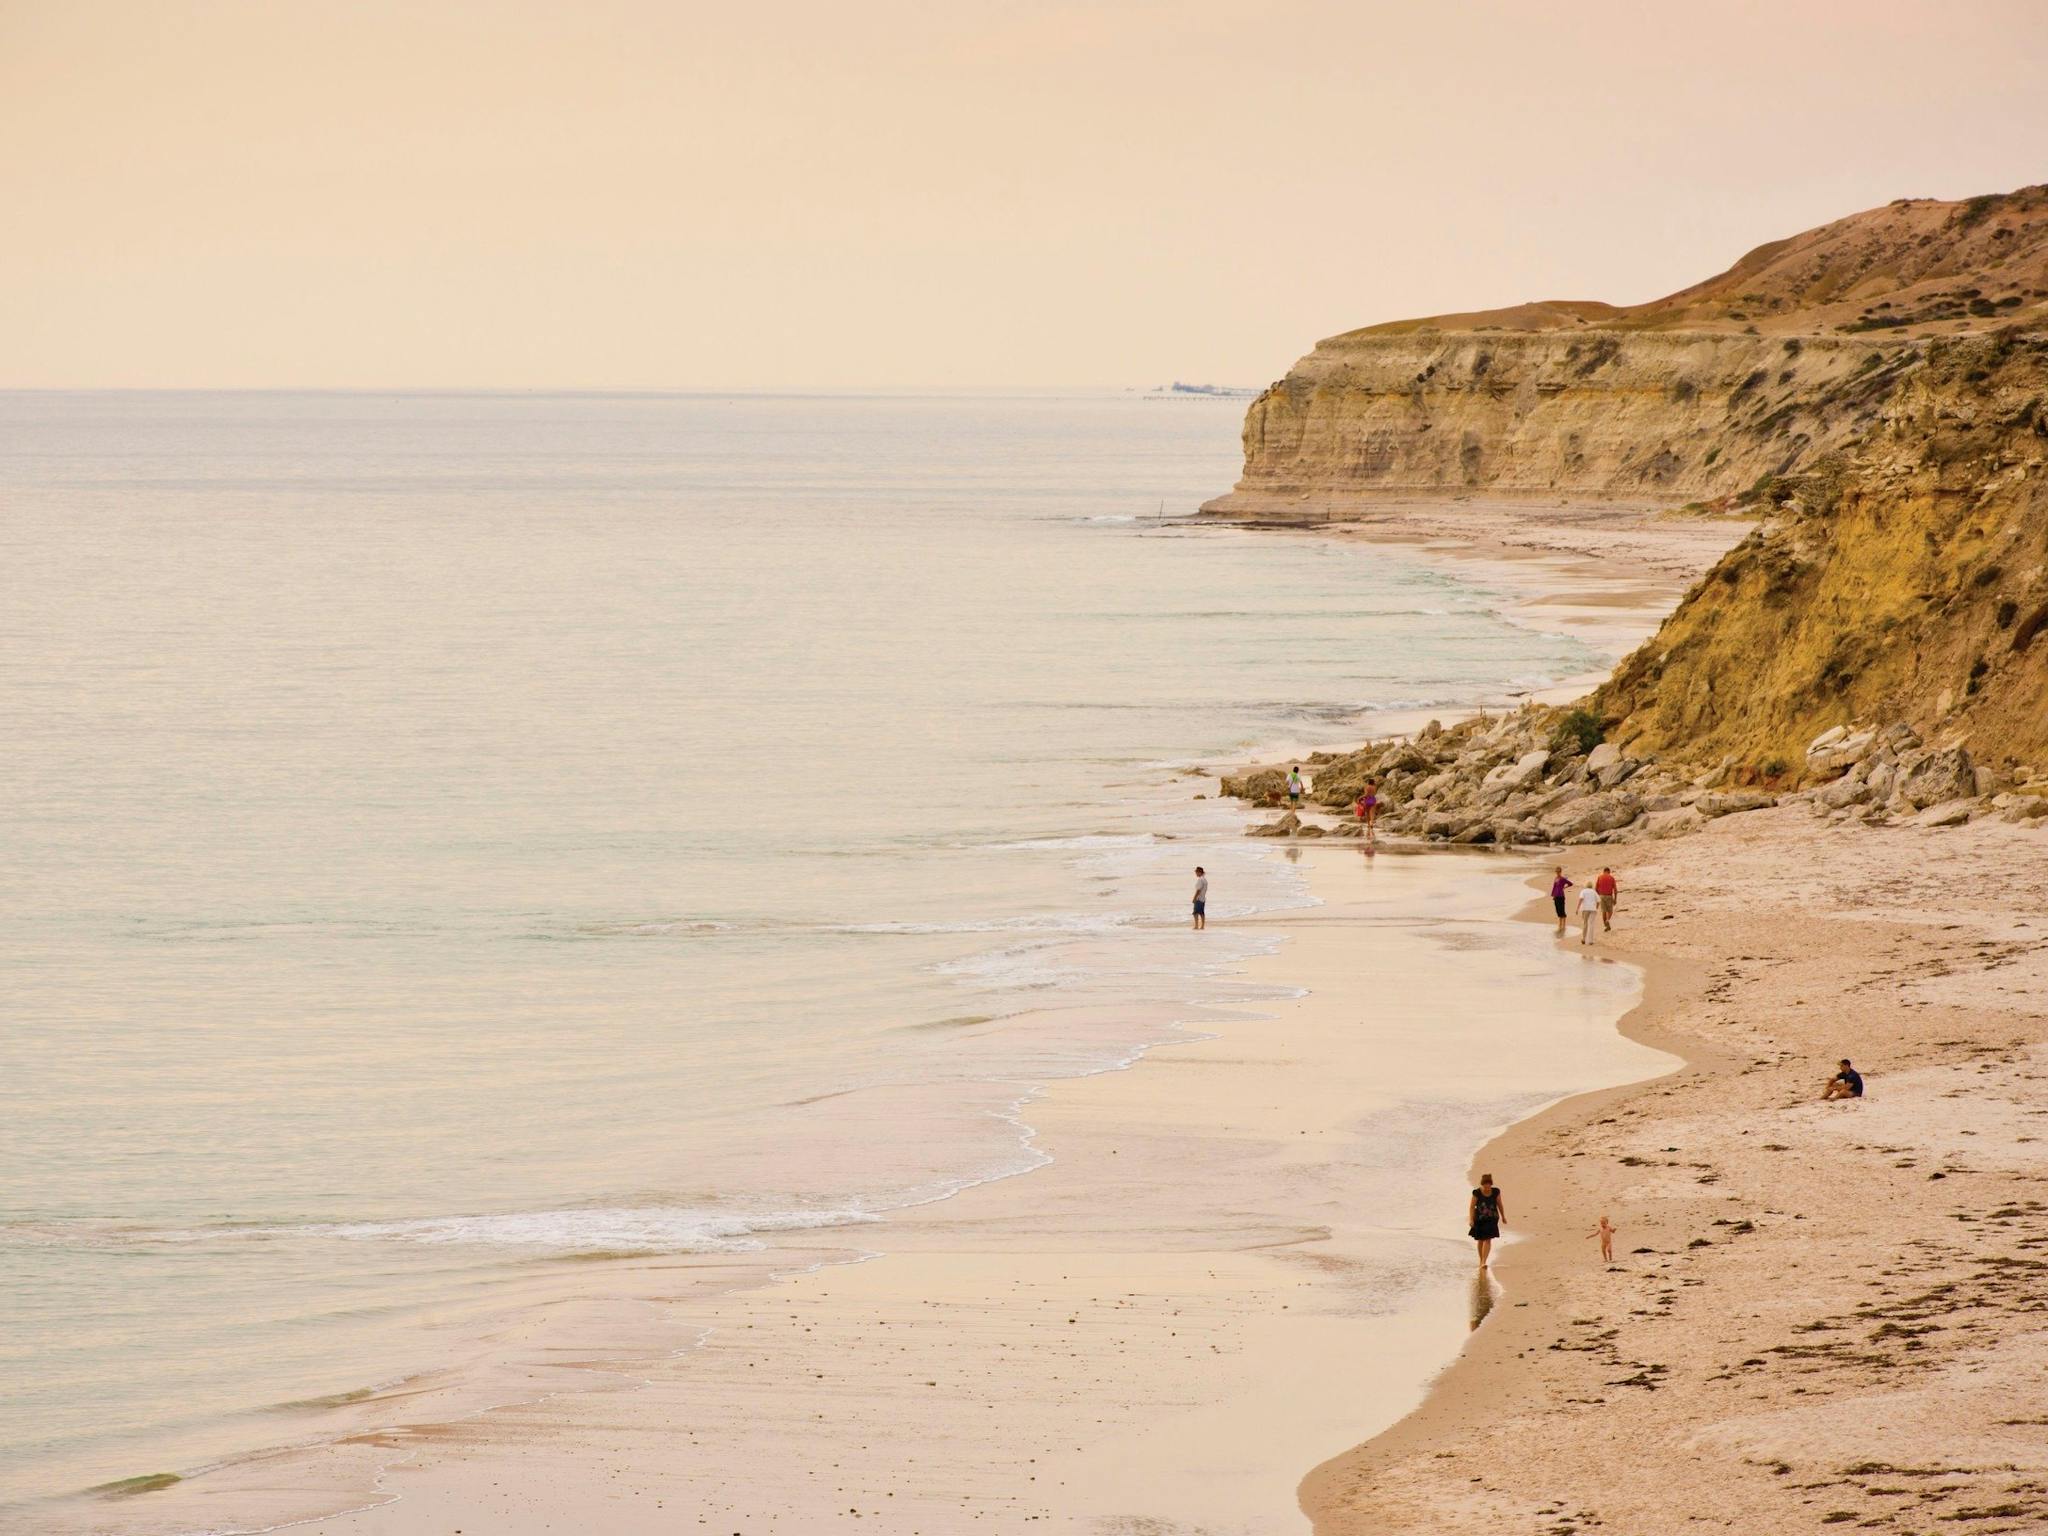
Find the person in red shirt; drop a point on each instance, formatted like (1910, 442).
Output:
(1607, 888)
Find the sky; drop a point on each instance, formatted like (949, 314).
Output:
(881, 193)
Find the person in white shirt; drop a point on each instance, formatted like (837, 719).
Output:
(1589, 912)
(1201, 898)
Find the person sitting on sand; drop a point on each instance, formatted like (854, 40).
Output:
(1847, 1083)
(1294, 786)
(1604, 1230)
(1609, 890)
(1558, 886)
(1201, 897)
(1483, 1215)
(1589, 909)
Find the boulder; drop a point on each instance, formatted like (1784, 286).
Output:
(1348, 829)
(1826, 739)
(1846, 791)
(1733, 802)
(1433, 786)
(1520, 774)
(1952, 813)
(1256, 785)
(2027, 808)
(1845, 751)
(1672, 823)
(1937, 778)
(1614, 772)
(1602, 756)
(1286, 826)
(1590, 815)
(1309, 829)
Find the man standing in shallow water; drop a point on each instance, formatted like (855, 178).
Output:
(1201, 898)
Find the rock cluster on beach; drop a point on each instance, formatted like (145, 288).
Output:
(1540, 775)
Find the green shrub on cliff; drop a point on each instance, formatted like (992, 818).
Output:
(1577, 732)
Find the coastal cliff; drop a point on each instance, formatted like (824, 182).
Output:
(1875, 391)
(1904, 578)
(1685, 416)
(1786, 356)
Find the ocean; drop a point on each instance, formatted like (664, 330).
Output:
(449, 838)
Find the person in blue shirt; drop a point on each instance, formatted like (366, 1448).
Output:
(1845, 1084)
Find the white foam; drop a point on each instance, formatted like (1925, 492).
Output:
(617, 1229)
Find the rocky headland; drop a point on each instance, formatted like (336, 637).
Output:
(1874, 392)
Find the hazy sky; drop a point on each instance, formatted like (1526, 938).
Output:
(849, 192)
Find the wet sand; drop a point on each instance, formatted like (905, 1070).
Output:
(1246, 1255)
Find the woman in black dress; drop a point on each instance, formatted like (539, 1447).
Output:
(1484, 1215)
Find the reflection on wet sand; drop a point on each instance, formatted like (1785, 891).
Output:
(1482, 1298)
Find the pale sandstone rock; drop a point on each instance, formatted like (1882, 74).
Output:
(1286, 826)
(1937, 778)
(1952, 813)
(1670, 823)
(1733, 802)
(1521, 773)
(1591, 815)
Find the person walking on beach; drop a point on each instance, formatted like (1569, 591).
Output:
(1558, 886)
(1604, 1230)
(1294, 787)
(1201, 898)
(1589, 909)
(1847, 1083)
(1369, 804)
(1609, 890)
(1483, 1214)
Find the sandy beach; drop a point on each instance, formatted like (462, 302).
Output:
(1827, 1313)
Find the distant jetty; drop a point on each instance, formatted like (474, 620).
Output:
(1208, 391)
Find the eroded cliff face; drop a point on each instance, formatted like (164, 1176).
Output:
(1902, 579)
(1666, 416)
(1761, 370)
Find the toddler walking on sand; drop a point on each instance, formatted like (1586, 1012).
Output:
(1605, 1232)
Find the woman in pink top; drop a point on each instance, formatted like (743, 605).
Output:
(1558, 887)
(1369, 804)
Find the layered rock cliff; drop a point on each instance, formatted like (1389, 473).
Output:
(1904, 578)
(1877, 390)
(1682, 416)
(1760, 371)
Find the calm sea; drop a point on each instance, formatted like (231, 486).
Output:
(444, 835)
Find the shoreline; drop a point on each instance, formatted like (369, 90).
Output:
(1143, 1326)
(377, 1442)
(1460, 1394)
